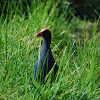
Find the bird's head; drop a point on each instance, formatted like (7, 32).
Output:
(45, 33)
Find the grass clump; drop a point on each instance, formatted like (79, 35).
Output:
(78, 76)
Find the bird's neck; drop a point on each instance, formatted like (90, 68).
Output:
(46, 47)
(46, 43)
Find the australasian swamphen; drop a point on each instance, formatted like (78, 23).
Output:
(46, 61)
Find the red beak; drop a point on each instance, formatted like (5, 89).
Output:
(39, 34)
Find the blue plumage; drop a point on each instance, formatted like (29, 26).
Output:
(46, 61)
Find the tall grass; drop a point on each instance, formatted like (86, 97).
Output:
(78, 77)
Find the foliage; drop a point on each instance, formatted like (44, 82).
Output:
(78, 76)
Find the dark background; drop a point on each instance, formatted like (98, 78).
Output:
(88, 9)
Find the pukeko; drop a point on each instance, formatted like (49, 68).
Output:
(46, 61)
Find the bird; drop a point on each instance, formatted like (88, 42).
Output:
(46, 60)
